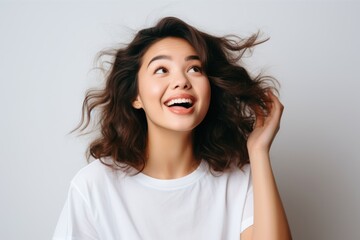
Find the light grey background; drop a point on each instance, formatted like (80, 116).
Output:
(46, 54)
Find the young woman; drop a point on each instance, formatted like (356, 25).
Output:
(180, 122)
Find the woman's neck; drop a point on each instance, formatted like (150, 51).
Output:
(169, 154)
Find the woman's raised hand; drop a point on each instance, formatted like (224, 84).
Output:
(266, 127)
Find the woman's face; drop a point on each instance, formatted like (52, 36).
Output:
(173, 90)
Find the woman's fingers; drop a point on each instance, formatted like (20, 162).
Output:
(277, 106)
(276, 111)
(259, 117)
(266, 124)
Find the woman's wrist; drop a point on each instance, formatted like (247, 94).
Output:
(259, 153)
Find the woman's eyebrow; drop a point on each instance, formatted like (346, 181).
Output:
(188, 58)
(159, 57)
(192, 57)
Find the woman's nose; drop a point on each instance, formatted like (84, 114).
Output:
(180, 81)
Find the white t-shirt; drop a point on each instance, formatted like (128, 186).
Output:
(112, 205)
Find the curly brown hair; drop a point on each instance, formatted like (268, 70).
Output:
(220, 139)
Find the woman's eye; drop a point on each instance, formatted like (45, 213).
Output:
(195, 69)
(161, 70)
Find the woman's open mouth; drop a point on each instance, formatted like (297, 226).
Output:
(180, 102)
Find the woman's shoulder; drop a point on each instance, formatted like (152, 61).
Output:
(233, 174)
(96, 172)
(234, 170)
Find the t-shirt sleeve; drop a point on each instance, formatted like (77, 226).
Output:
(76, 221)
(248, 212)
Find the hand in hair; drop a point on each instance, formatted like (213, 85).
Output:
(266, 126)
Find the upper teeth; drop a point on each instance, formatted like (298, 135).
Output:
(179, 100)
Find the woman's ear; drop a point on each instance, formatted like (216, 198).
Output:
(137, 104)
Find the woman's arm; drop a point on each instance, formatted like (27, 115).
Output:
(270, 221)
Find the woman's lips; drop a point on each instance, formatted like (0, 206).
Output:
(180, 97)
(173, 103)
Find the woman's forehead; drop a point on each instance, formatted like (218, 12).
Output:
(170, 47)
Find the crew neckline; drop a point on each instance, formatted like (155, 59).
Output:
(172, 184)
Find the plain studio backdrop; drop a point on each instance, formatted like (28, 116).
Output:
(47, 51)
